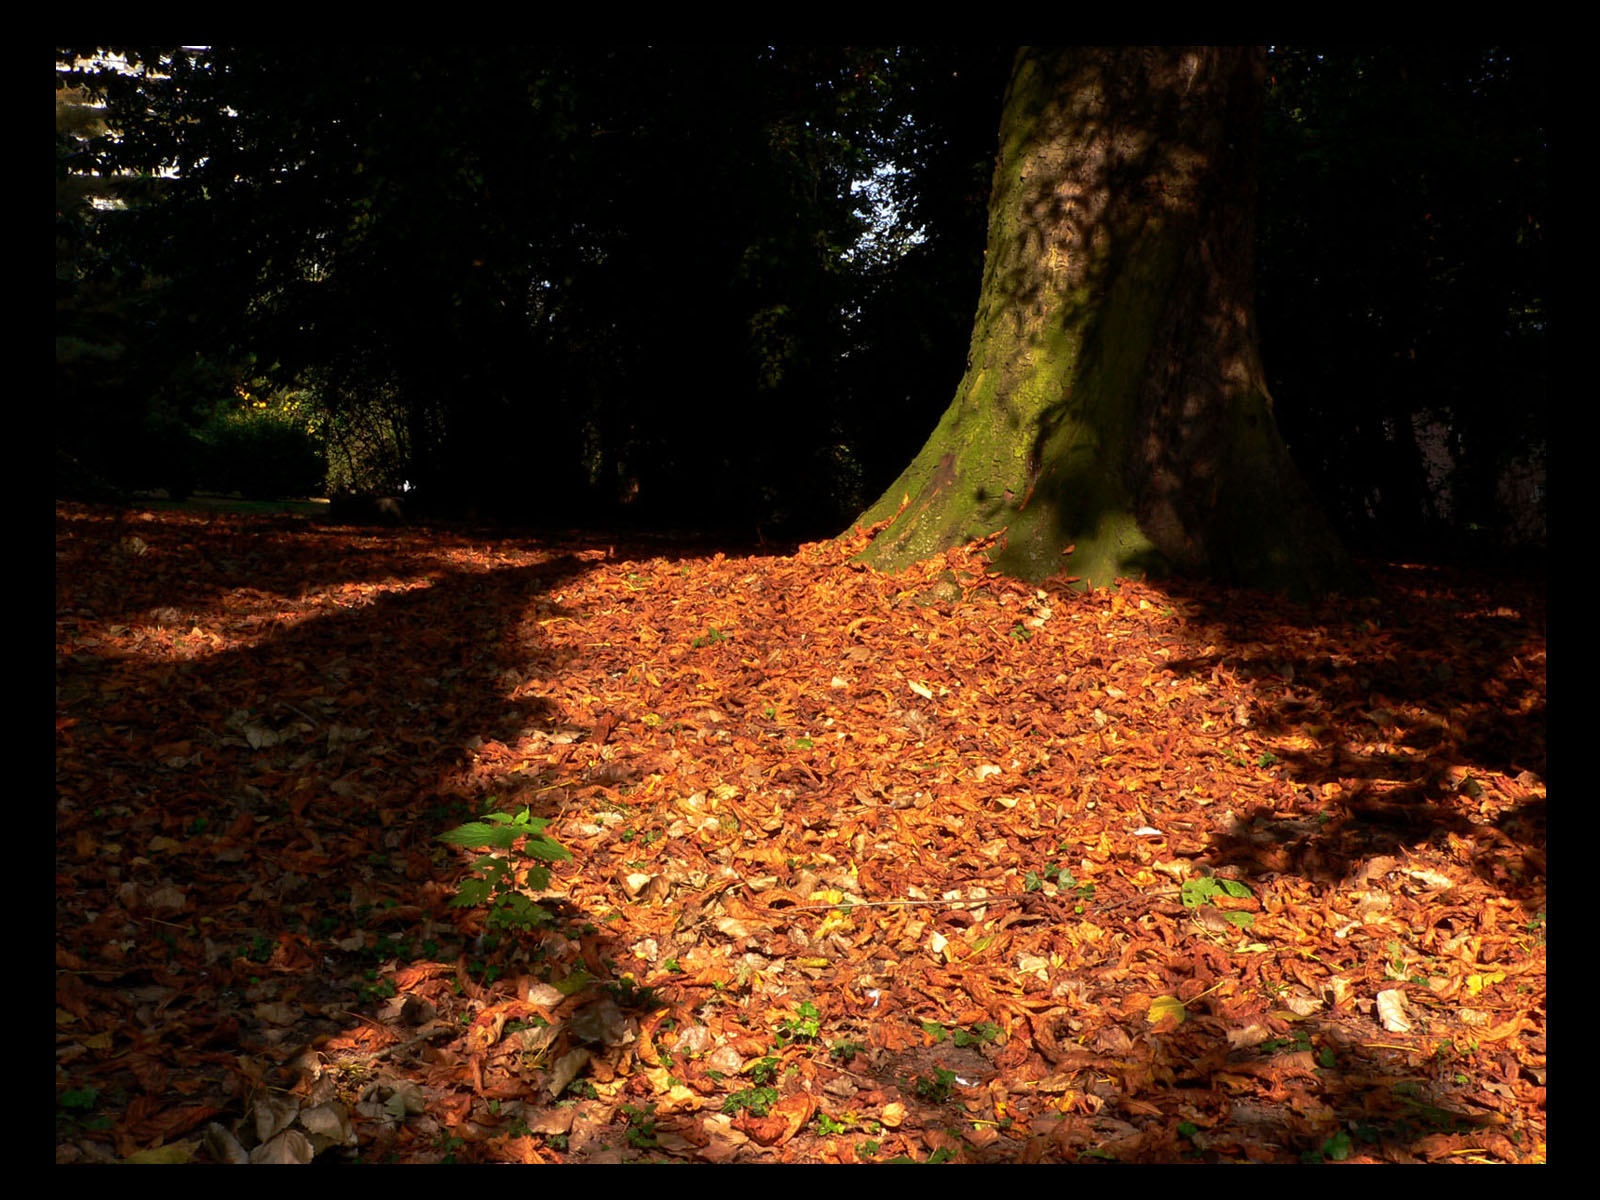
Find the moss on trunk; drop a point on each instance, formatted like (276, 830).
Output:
(1114, 403)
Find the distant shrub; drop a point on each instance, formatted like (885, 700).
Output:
(264, 452)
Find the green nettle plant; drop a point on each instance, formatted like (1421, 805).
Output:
(494, 882)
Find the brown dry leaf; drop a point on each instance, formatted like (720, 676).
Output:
(247, 857)
(1392, 1011)
(783, 1121)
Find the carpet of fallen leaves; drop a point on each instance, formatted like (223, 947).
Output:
(938, 866)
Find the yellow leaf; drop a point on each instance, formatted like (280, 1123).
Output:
(1166, 1006)
(1476, 983)
(834, 922)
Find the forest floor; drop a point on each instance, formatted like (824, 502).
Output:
(931, 867)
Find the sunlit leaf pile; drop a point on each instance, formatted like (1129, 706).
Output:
(792, 860)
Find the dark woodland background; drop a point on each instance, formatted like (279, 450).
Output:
(730, 289)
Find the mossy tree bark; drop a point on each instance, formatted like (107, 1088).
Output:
(1114, 399)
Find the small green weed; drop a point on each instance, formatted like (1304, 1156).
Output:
(713, 637)
(756, 1101)
(980, 1034)
(763, 1070)
(801, 1028)
(844, 1051)
(1062, 877)
(259, 950)
(1333, 1149)
(1300, 1041)
(73, 1109)
(935, 1089)
(828, 1127)
(1202, 891)
(1535, 928)
(641, 1127)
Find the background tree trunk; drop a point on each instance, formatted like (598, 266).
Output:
(1114, 398)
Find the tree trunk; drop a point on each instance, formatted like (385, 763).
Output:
(1114, 399)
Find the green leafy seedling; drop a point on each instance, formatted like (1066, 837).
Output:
(1202, 891)
(828, 1127)
(757, 1101)
(260, 949)
(979, 1035)
(74, 1106)
(1061, 876)
(763, 1070)
(802, 1028)
(641, 1127)
(495, 881)
(935, 1088)
(844, 1051)
(1333, 1149)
